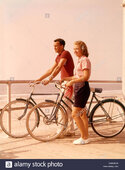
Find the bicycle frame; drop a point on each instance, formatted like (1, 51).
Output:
(47, 112)
(59, 101)
(31, 100)
(89, 107)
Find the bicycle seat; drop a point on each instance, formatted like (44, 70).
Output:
(96, 90)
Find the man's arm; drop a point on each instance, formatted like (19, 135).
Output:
(58, 68)
(48, 73)
(55, 71)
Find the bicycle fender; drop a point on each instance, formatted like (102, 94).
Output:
(25, 101)
(50, 101)
(32, 105)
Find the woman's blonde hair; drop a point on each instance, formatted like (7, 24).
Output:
(83, 47)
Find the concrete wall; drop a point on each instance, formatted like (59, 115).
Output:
(28, 28)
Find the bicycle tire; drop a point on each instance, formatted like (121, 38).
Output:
(106, 127)
(15, 128)
(47, 129)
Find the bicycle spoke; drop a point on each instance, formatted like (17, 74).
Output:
(112, 122)
(50, 126)
(13, 118)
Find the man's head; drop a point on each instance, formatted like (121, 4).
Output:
(59, 45)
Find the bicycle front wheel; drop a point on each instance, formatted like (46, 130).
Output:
(108, 118)
(52, 121)
(13, 119)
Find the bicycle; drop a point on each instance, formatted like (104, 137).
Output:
(107, 117)
(13, 115)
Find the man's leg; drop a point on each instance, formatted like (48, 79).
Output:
(70, 128)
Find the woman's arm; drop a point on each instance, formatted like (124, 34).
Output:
(85, 77)
(68, 78)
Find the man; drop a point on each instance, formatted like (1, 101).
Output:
(64, 64)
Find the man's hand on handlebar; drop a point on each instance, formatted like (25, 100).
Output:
(33, 83)
(45, 82)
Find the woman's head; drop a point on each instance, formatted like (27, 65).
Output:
(80, 49)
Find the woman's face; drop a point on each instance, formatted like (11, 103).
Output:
(77, 50)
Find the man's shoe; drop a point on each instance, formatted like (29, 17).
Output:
(58, 131)
(80, 141)
(69, 133)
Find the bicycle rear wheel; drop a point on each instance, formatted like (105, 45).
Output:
(111, 125)
(52, 122)
(11, 121)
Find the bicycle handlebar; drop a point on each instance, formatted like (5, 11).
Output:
(61, 86)
(32, 84)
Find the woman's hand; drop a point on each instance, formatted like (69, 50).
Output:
(61, 81)
(70, 83)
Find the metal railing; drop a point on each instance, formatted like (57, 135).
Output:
(10, 82)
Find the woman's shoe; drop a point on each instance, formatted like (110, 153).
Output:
(80, 141)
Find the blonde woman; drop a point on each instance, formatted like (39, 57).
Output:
(81, 90)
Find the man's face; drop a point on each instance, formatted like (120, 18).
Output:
(57, 47)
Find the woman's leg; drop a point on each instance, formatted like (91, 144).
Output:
(85, 121)
(82, 125)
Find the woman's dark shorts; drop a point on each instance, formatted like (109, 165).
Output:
(81, 94)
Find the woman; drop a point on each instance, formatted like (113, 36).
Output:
(81, 90)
